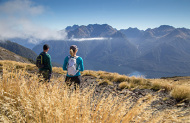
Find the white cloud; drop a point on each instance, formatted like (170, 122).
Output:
(21, 7)
(16, 22)
(89, 39)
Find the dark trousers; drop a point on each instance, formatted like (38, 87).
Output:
(46, 75)
(75, 80)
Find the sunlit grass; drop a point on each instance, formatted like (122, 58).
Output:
(124, 85)
(90, 73)
(106, 81)
(109, 78)
(181, 92)
(24, 99)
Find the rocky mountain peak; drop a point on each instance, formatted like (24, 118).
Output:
(92, 31)
(132, 32)
(71, 28)
(165, 27)
(179, 33)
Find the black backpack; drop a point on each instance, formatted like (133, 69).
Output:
(39, 61)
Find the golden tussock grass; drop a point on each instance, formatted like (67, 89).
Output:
(157, 84)
(178, 91)
(105, 81)
(114, 77)
(89, 73)
(140, 82)
(127, 85)
(106, 77)
(24, 99)
(181, 92)
(123, 85)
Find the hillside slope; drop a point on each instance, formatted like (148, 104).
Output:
(8, 55)
(18, 49)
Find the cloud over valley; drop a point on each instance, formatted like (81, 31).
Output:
(18, 21)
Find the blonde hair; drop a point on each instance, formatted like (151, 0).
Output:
(72, 52)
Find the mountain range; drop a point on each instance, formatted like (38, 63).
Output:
(158, 52)
(93, 30)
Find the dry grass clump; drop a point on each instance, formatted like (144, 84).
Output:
(15, 66)
(123, 85)
(114, 77)
(90, 73)
(106, 81)
(181, 92)
(133, 82)
(127, 85)
(121, 78)
(157, 85)
(31, 67)
(108, 76)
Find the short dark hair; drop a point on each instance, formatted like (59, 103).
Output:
(45, 47)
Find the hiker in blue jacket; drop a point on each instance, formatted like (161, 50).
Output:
(73, 64)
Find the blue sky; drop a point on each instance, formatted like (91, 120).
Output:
(118, 13)
(33, 15)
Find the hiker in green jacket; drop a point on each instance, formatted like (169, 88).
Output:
(46, 70)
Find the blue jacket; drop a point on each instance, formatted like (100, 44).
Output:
(80, 65)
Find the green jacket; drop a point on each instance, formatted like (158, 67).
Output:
(46, 62)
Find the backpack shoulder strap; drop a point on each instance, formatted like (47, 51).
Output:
(42, 53)
(69, 57)
(73, 57)
(76, 57)
(42, 57)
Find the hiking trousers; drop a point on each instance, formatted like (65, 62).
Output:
(76, 80)
(46, 75)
